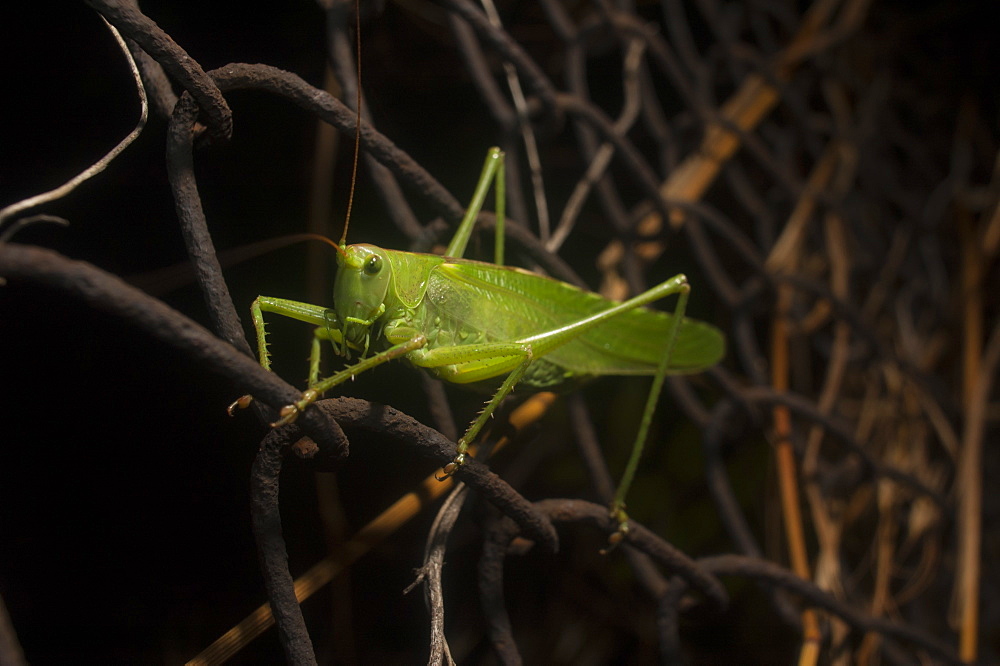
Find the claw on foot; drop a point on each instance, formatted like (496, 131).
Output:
(240, 403)
(451, 467)
(289, 413)
(617, 513)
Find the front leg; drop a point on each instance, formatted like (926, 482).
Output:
(307, 312)
(291, 412)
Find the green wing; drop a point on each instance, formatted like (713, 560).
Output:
(509, 304)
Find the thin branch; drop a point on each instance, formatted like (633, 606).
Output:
(98, 166)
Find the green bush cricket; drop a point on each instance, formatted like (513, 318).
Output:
(475, 323)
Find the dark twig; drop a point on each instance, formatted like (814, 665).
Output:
(737, 565)
(11, 653)
(266, 516)
(723, 420)
(141, 29)
(641, 564)
(496, 542)
(161, 93)
(391, 424)
(502, 532)
(643, 93)
(194, 227)
(108, 293)
(240, 76)
(509, 49)
(842, 432)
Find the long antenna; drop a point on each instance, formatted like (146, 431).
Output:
(357, 124)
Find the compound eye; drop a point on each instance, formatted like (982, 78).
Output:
(373, 265)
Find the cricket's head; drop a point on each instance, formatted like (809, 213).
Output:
(363, 276)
